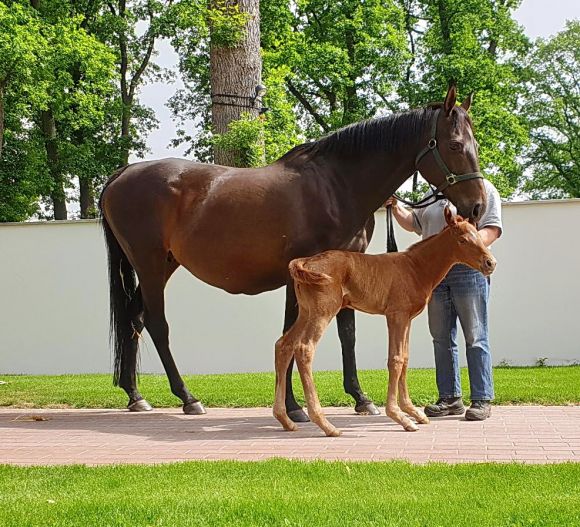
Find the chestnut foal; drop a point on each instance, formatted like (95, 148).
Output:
(397, 285)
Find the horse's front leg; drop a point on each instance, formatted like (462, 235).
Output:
(293, 409)
(346, 333)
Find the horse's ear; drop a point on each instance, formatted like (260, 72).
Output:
(450, 98)
(449, 218)
(466, 104)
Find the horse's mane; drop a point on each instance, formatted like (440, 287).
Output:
(383, 133)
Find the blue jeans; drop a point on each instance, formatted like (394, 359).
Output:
(462, 294)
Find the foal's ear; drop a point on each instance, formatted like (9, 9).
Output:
(466, 104)
(449, 217)
(450, 98)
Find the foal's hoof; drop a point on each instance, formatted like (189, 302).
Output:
(333, 432)
(194, 408)
(411, 427)
(298, 416)
(139, 406)
(366, 408)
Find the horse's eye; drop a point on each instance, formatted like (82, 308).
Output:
(456, 145)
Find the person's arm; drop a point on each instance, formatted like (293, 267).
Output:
(490, 224)
(403, 216)
(489, 235)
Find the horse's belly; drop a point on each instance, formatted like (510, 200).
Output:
(235, 273)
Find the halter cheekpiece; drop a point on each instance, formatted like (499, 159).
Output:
(450, 177)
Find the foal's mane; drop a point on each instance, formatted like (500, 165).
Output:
(417, 245)
(385, 134)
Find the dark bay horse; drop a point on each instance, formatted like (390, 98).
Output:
(237, 229)
(396, 285)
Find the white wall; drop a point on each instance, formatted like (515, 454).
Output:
(54, 303)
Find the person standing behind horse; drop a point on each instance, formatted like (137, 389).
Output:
(463, 294)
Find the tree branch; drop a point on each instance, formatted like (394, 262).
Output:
(307, 106)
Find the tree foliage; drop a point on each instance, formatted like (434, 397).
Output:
(70, 99)
(553, 109)
(71, 70)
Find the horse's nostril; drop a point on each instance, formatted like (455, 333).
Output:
(476, 211)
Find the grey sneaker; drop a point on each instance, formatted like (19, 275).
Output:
(478, 411)
(445, 406)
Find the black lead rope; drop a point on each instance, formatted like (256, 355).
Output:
(391, 242)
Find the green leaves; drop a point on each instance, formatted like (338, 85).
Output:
(553, 110)
(245, 138)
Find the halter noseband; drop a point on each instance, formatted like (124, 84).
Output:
(450, 177)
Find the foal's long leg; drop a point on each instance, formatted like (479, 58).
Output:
(152, 280)
(284, 353)
(397, 331)
(404, 399)
(293, 409)
(345, 322)
(304, 353)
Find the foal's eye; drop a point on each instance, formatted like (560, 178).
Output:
(462, 240)
(456, 145)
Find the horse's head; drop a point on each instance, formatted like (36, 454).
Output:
(468, 246)
(450, 160)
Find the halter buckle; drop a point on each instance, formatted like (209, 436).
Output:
(432, 144)
(452, 179)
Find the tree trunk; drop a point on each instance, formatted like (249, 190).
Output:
(125, 129)
(234, 74)
(445, 21)
(351, 102)
(1, 118)
(87, 198)
(57, 193)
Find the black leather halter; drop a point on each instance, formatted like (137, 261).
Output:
(450, 177)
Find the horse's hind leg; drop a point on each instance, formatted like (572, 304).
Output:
(128, 375)
(345, 322)
(152, 280)
(293, 409)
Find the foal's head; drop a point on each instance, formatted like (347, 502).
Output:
(468, 247)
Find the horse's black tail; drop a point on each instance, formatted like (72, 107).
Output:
(122, 287)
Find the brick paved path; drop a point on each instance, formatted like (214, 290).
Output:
(530, 434)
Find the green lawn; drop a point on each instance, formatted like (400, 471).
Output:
(538, 385)
(279, 492)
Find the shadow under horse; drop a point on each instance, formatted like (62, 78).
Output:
(238, 228)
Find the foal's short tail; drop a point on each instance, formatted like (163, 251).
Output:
(299, 273)
(122, 287)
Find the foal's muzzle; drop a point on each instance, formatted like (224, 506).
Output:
(488, 265)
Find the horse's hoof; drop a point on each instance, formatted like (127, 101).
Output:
(194, 408)
(367, 408)
(139, 406)
(298, 416)
(411, 427)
